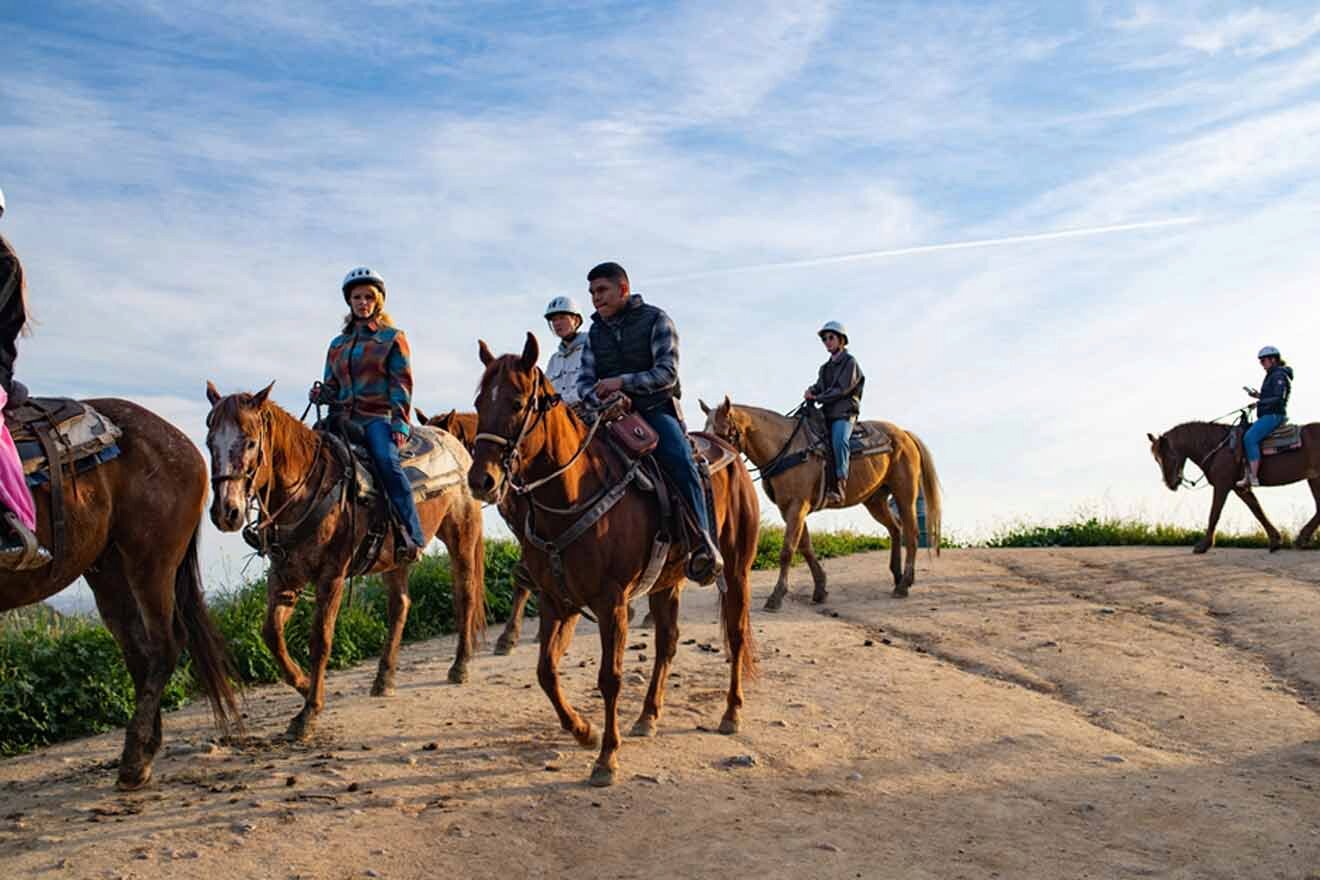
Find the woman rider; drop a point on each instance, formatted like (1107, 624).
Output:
(565, 320)
(368, 380)
(1271, 410)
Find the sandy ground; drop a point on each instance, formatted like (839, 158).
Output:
(1026, 714)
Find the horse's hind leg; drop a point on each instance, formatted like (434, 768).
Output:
(280, 601)
(1253, 504)
(522, 591)
(556, 636)
(905, 493)
(878, 506)
(463, 537)
(795, 520)
(396, 580)
(735, 608)
(1308, 530)
(664, 610)
(328, 596)
(613, 639)
(820, 593)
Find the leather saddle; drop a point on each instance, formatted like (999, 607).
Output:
(868, 438)
(1285, 438)
(431, 462)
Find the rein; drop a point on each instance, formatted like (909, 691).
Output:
(1204, 460)
(540, 405)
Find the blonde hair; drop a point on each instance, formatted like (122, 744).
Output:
(382, 317)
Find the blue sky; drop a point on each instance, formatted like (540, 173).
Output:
(187, 187)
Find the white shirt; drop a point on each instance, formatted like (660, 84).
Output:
(564, 366)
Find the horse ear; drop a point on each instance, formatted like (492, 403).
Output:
(483, 352)
(704, 408)
(212, 393)
(1152, 437)
(421, 416)
(449, 416)
(727, 404)
(260, 397)
(531, 351)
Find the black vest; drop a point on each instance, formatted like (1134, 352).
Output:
(624, 346)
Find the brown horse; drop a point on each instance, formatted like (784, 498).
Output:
(131, 526)
(764, 436)
(1208, 445)
(261, 456)
(554, 467)
(464, 427)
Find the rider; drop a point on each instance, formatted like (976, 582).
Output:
(20, 516)
(565, 321)
(838, 391)
(368, 380)
(1271, 410)
(633, 348)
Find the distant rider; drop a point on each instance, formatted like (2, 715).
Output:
(838, 391)
(565, 320)
(1271, 410)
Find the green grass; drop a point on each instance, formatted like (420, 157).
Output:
(1115, 532)
(826, 544)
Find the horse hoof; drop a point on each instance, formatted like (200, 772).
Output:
(504, 647)
(729, 726)
(382, 689)
(602, 777)
(645, 727)
(300, 728)
(900, 592)
(588, 739)
(775, 601)
(133, 781)
(1199, 549)
(303, 686)
(819, 597)
(458, 674)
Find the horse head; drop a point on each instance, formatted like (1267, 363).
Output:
(237, 434)
(1170, 460)
(511, 393)
(726, 423)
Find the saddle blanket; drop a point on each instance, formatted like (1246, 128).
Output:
(1284, 438)
(81, 436)
(715, 452)
(433, 460)
(868, 438)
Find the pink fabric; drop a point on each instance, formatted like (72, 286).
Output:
(14, 492)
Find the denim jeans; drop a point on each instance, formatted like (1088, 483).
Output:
(380, 443)
(1259, 430)
(840, 431)
(675, 455)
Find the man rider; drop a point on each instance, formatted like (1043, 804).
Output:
(838, 391)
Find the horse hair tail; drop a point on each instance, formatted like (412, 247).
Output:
(211, 664)
(931, 488)
(477, 595)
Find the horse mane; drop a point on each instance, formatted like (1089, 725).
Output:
(1198, 434)
(286, 432)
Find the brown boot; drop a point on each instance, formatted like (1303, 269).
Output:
(21, 551)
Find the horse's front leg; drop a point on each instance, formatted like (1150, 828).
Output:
(613, 638)
(1216, 508)
(328, 595)
(664, 610)
(281, 597)
(795, 520)
(396, 580)
(556, 636)
(522, 591)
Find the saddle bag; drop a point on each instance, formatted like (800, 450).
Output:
(634, 435)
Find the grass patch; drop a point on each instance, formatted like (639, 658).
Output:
(1116, 532)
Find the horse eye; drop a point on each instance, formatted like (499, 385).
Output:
(252, 444)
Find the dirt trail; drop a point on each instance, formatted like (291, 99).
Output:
(1102, 713)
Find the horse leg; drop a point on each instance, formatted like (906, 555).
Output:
(906, 496)
(1308, 530)
(469, 594)
(522, 591)
(613, 639)
(556, 636)
(1253, 504)
(1216, 508)
(878, 506)
(328, 595)
(735, 607)
(664, 611)
(820, 592)
(795, 520)
(280, 601)
(397, 581)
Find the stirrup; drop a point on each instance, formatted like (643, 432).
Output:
(29, 555)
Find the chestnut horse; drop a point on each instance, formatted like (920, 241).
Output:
(261, 456)
(1208, 446)
(464, 427)
(764, 436)
(532, 448)
(131, 526)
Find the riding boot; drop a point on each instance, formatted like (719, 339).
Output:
(21, 551)
(706, 563)
(1250, 476)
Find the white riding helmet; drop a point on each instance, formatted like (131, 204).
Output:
(563, 305)
(362, 275)
(2, 203)
(1268, 351)
(836, 328)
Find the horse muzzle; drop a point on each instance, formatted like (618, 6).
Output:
(485, 482)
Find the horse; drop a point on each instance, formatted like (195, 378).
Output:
(132, 532)
(550, 467)
(1208, 445)
(262, 457)
(765, 436)
(463, 425)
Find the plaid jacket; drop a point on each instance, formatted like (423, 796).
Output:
(368, 375)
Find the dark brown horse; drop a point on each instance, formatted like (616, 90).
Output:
(532, 447)
(1208, 445)
(261, 455)
(464, 427)
(131, 527)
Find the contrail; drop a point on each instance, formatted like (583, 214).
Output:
(932, 248)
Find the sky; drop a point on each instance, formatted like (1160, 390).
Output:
(187, 183)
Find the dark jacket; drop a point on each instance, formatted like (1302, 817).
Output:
(838, 389)
(1274, 392)
(638, 345)
(13, 312)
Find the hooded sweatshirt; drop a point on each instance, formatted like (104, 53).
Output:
(1274, 392)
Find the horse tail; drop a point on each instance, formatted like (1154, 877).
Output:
(931, 489)
(212, 666)
(476, 622)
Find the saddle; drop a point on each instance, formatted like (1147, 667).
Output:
(55, 435)
(868, 438)
(1285, 438)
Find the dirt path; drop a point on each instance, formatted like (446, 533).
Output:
(1099, 713)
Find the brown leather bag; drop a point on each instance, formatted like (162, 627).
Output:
(634, 434)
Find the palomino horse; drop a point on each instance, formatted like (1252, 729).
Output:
(131, 526)
(765, 436)
(262, 456)
(1208, 446)
(532, 446)
(464, 427)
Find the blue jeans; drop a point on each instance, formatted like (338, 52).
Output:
(380, 443)
(840, 431)
(1259, 430)
(675, 455)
